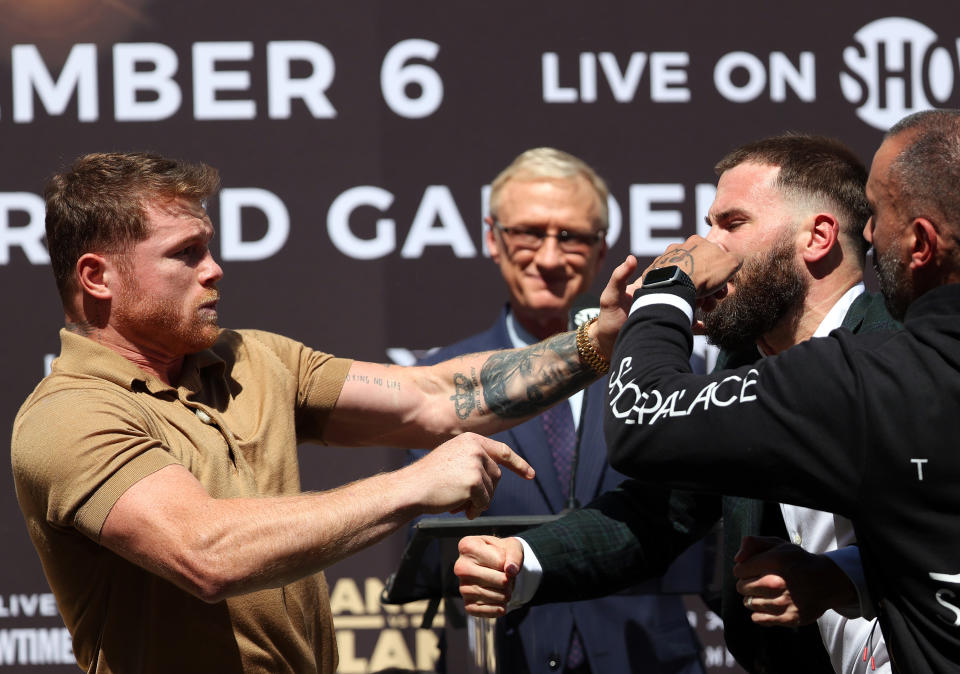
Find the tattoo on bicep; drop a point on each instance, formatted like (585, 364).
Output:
(526, 381)
(680, 256)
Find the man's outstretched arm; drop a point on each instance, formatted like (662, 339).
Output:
(624, 537)
(168, 524)
(483, 393)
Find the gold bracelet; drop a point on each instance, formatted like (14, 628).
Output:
(588, 353)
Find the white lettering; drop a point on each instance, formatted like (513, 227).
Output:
(36, 646)
(158, 80)
(346, 598)
(588, 77)
(643, 219)
(232, 202)
(396, 75)
(748, 382)
(208, 80)
(391, 651)
(713, 656)
(30, 75)
(728, 401)
(623, 86)
(438, 205)
(885, 73)
(427, 645)
(953, 608)
(723, 76)
(282, 87)
(668, 76)
(28, 237)
(668, 409)
(552, 91)
(347, 650)
(338, 223)
(703, 397)
(801, 80)
(919, 463)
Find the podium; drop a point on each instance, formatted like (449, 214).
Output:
(425, 571)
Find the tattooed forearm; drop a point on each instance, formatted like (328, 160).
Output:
(527, 381)
(465, 394)
(679, 256)
(375, 381)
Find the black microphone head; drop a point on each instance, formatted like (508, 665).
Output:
(585, 307)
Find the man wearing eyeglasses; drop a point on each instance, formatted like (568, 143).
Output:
(548, 218)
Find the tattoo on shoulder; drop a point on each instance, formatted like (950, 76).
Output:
(526, 381)
(680, 257)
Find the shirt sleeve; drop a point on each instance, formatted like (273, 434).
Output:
(848, 559)
(787, 429)
(76, 451)
(319, 378)
(527, 580)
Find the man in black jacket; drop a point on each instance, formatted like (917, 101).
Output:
(862, 425)
(792, 207)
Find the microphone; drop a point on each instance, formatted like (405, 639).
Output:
(584, 308)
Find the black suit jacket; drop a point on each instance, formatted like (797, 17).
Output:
(634, 532)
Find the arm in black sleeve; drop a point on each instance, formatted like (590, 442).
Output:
(625, 536)
(788, 428)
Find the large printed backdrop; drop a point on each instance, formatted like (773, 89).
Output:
(355, 142)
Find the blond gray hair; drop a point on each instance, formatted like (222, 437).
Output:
(550, 163)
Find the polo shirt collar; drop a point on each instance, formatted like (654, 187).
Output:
(85, 356)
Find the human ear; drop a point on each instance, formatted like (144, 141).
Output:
(93, 274)
(924, 244)
(820, 237)
(491, 239)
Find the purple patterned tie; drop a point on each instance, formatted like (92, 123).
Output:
(561, 439)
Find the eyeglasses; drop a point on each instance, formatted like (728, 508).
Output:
(531, 238)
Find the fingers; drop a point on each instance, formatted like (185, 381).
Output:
(616, 294)
(481, 492)
(493, 454)
(763, 587)
(778, 610)
(505, 456)
(485, 585)
(769, 601)
(623, 271)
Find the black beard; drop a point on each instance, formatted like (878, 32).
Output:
(894, 283)
(766, 291)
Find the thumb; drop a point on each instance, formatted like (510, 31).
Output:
(513, 557)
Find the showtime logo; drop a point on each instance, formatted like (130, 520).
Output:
(898, 66)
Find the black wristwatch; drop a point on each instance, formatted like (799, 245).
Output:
(667, 276)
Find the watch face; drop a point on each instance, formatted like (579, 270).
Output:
(660, 276)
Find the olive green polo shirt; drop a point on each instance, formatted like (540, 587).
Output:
(98, 424)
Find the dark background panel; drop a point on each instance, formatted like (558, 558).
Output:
(489, 60)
